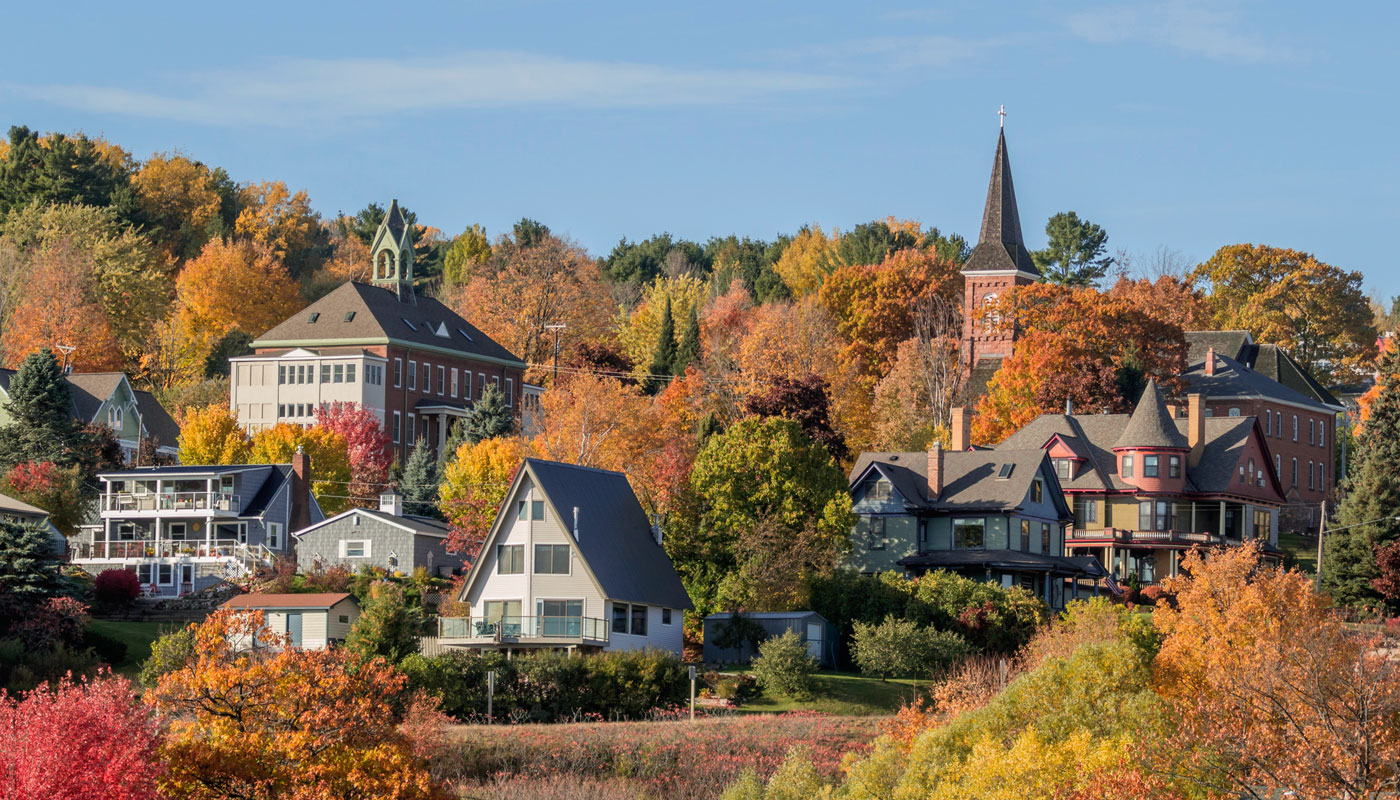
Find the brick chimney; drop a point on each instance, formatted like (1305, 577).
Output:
(1196, 425)
(961, 430)
(935, 471)
(300, 511)
(1210, 361)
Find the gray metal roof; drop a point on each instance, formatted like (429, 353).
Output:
(179, 471)
(1268, 360)
(615, 535)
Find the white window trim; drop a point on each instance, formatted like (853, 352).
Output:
(345, 547)
(398, 373)
(274, 535)
(413, 376)
(398, 426)
(454, 381)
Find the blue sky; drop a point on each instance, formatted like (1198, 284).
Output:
(1184, 125)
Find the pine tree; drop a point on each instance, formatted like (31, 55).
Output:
(387, 627)
(28, 567)
(419, 484)
(1372, 493)
(41, 413)
(689, 352)
(489, 418)
(665, 353)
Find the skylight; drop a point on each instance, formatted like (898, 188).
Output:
(1005, 471)
(349, 315)
(410, 325)
(315, 315)
(465, 335)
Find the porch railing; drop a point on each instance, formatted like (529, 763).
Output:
(1146, 537)
(165, 548)
(171, 501)
(523, 628)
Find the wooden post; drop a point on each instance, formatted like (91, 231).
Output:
(1321, 529)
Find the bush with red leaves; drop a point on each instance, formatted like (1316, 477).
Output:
(116, 587)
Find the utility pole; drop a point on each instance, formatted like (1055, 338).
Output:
(556, 327)
(66, 350)
(1321, 528)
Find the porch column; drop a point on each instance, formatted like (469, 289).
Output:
(1194, 527)
(1175, 560)
(1221, 530)
(442, 433)
(209, 535)
(106, 538)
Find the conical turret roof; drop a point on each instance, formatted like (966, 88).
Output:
(1151, 426)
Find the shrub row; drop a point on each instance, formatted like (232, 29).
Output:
(552, 686)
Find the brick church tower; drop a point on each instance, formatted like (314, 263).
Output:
(998, 263)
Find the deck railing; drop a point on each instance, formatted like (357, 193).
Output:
(149, 548)
(523, 628)
(171, 501)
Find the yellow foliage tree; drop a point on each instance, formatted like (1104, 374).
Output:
(473, 485)
(212, 435)
(181, 198)
(637, 333)
(283, 222)
(468, 251)
(807, 260)
(329, 453)
(591, 421)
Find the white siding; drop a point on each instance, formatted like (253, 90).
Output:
(337, 630)
(659, 637)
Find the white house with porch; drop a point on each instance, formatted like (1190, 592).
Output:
(182, 529)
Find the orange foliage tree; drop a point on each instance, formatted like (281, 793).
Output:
(1076, 345)
(57, 307)
(520, 290)
(1269, 689)
(1315, 311)
(234, 285)
(1169, 298)
(284, 223)
(251, 717)
(181, 197)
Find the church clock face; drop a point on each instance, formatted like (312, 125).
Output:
(993, 318)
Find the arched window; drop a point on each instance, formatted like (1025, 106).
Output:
(385, 265)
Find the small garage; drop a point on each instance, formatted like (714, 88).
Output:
(734, 638)
(311, 621)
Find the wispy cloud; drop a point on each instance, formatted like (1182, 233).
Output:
(1214, 30)
(300, 91)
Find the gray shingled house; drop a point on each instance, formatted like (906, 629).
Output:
(384, 537)
(993, 515)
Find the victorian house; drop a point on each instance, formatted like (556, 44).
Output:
(992, 515)
(1146, 486)
(407, 357)
(107, 398)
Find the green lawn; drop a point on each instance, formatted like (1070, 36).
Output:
(137, 636)
(845, 694)
(1302, 548)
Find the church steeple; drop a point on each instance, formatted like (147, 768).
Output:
(391, 253)
(1000, 245)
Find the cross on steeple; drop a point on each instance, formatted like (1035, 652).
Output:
(1002, 114)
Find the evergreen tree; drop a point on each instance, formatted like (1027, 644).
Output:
(489, 418)
(665, 353)
(1372, 493)
(689, 352)
(28, 567)
(387, 627)
(41, 409)
(419, 484)
(1075, 253)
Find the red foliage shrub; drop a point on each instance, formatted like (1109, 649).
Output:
(116, 587)
(88, 739)
(1151, 595)
(58, 620)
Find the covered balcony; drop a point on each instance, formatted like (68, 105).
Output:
(170, 497)
(182, 539)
